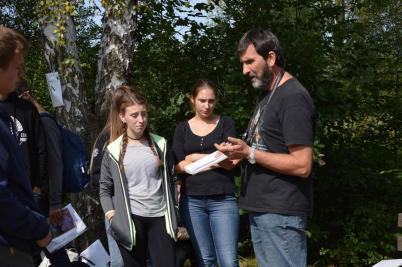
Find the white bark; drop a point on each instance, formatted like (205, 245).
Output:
(115, 56)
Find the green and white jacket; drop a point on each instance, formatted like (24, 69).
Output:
(114, 183)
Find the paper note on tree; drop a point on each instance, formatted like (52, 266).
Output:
(54, 85)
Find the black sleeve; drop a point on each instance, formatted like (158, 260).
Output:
(172, 174)
(40, 150)
(298, 121)
(229, 128)
(55, 161)
(96, 158)
(171, 165)
(178, 143)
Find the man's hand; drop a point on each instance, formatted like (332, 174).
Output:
(26, 96)
(45, 241)
(56, 216)
(236, 149)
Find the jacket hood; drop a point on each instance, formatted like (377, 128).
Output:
(115, 147)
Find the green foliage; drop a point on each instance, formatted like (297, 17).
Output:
(56, 12)
(350, 65)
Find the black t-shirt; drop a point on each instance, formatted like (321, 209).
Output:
(213, 182)
(288, 119)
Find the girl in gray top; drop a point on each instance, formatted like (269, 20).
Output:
(137, 171)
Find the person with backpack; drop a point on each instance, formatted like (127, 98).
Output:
(138, 171)
(54, 143)
(69, 163)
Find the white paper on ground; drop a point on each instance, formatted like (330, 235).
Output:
(65, 238)
(54, 86)
(205, 162)
(389, 263)
(97, 254)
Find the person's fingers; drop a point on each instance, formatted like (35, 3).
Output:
(45, 241)
(222, 148)
(235, 141)
(36, 189)
(59, 217)
(56, 216)
(218, 154)
(236, 147)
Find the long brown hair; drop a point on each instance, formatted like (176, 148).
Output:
(123, 97)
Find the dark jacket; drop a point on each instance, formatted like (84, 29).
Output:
(54, 144)
(31, 137)
(114, 183)
(96, 158)
(21, 224)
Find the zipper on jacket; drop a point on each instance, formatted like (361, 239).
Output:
(132, 230)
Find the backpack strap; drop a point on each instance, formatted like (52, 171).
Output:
(50, 116)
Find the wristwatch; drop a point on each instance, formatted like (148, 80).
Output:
(251, 156)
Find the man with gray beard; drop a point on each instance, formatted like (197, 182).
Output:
(276, 187)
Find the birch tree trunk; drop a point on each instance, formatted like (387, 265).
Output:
(64, 59)
(75, 115)
(115, 55)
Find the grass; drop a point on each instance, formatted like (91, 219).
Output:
(248, 262)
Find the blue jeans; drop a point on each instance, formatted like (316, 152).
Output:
(115, 257)
(279, 240)
(213, 225)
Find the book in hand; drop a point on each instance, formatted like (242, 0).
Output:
(71, 227)
(205, 162)
(66, 225)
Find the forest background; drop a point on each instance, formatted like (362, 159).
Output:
(347, 53)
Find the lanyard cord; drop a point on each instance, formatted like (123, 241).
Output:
(249, 138)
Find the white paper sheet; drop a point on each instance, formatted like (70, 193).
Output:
(54, 86)
(65, 238)
(389, 263)
(205, 162)
(97, 255)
